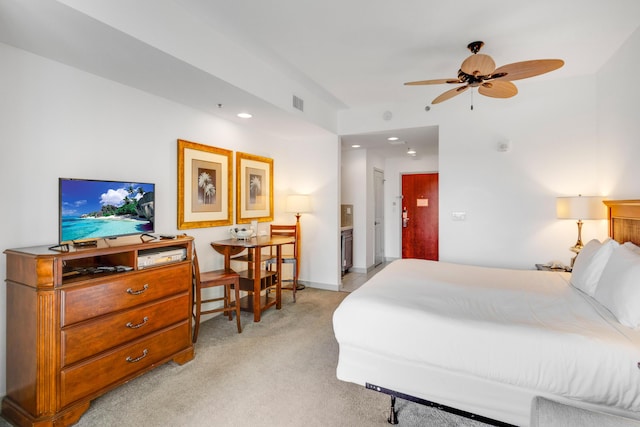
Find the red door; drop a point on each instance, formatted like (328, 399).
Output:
(420, 216)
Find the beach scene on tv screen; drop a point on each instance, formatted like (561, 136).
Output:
(98, 209)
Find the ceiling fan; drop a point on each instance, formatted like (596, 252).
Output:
(480, 71)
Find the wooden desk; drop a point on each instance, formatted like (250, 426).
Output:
(254, 280)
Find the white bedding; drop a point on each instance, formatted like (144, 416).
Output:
(528, 329)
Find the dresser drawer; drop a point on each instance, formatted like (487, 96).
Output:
(87, 339)
(87, 378)
(122, 291)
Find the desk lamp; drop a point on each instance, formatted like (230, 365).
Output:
(298, 204)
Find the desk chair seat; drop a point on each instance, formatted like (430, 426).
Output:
(227, 278)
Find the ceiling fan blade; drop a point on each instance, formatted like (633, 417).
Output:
(433, 82)
(478, 65)
(526, 69)
(450, 94)
(498, 89)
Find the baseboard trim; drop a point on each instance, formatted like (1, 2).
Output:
(371, 267)
(324, 286)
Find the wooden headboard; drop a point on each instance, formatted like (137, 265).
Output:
(624, 220)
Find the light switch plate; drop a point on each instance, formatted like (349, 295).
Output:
(458, 216)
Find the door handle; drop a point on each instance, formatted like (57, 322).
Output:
(405, 217)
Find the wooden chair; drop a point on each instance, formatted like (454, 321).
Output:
(290, 256)
(227, 278)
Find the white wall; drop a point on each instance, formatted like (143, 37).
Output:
(357, 189)
(56, 121)
(509, 197)
(354, 192)
(618, 124)
(311, 167)
(374, 161)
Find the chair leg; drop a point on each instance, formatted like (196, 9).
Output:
(236, 287)
(295, 280)
(197, 305)
(227, 301)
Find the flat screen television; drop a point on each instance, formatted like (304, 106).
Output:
(93, 209)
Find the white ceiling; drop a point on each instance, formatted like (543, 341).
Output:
(358, 53)
(424, 140)
(362, 51)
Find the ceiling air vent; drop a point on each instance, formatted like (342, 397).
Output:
(298, 103)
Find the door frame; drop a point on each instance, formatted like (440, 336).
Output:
(378, 222)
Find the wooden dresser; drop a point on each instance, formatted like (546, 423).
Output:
(82, 322)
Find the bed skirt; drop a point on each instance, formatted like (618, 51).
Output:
(491, 399)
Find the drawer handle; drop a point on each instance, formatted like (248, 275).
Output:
(132, 326)
(139, 358)
(132, 292)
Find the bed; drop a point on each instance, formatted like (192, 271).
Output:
(484, 342)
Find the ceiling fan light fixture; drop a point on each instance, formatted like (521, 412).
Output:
(479, 70)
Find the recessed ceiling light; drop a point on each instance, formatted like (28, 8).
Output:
(244, 115)
(411, 152)
(392, 138)
(355, 146)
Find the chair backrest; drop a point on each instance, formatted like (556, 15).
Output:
(287, 231)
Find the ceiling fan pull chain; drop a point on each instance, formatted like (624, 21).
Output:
(471, 99)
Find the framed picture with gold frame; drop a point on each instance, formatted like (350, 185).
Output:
(254, 188)
(205, 175)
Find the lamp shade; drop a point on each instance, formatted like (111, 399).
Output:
(298, 203)
(581, 207)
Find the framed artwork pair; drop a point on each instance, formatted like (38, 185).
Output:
(205, 186)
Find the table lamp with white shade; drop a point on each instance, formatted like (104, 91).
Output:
(580, 208)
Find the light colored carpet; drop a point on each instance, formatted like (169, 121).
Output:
(279, 372)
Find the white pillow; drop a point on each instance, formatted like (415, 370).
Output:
(633, 247)
(590, 263)
(619, 286)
